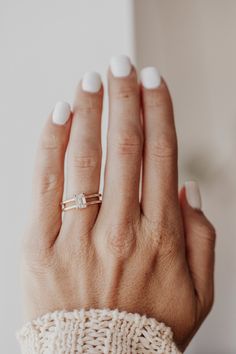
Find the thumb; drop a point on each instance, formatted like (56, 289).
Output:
(200, 244)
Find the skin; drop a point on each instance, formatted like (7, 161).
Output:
(152, 255)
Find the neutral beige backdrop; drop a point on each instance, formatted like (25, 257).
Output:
(193, 42)
(46, 46)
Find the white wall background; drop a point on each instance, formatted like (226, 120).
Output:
(45, 46)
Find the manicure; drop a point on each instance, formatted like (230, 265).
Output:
(61, 113)
(150, 77)
(193, 195)
(91, 82)
(120, 66)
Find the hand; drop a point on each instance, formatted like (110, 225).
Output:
(153, 256)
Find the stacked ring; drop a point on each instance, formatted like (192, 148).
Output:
(81, 201)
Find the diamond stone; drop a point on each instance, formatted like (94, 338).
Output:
(80, 201)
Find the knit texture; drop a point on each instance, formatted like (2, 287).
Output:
(96, 331)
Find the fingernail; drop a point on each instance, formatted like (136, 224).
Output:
(193, 195)
(61, 113)
(91, 82)
(150, 77)
(120, 66)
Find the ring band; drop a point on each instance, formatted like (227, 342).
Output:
(81, 201)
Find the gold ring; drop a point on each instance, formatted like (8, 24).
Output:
(81, 201)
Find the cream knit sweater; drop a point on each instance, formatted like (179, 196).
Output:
(96, 331)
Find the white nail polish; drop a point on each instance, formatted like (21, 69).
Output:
(61, 113)
(193, 195)
(150, 78)
(91, 82)
(120, 66)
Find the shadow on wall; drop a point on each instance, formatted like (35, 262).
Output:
(193, 45)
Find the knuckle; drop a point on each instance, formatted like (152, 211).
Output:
(49, 181)
(121, 240)
(86, 108)
(208, 233)
(164, 235)
(50, 142)
(78, 248)
(154, 232)
(125, 91)
(159, 99)
(86, 162)
(40, 266)
(35, 254)
(165, 146)
(129, 144)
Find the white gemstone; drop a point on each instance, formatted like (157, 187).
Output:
(80, 201)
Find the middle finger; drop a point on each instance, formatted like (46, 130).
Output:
(124, 155)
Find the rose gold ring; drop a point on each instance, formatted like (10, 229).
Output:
(81, 201)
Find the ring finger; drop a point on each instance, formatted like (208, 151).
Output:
(84, 154)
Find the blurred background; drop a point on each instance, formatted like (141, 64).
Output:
(46, 46)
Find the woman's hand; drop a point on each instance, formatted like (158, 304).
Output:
(153, 256)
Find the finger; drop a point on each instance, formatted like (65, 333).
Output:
(159, 188)
(200, 243)
(84, 152)
(122, 173)
(48, 183)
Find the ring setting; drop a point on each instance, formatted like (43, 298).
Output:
(81, 201)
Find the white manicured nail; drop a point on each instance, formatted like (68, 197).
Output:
(61, 113)
(120, 66)
(193, 195)
(150, 77)
(91, 82)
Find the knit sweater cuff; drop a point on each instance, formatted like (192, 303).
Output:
(96, 331)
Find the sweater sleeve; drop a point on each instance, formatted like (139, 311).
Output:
(96, 331)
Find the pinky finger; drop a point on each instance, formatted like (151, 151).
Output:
(48, 181)
(200, 245)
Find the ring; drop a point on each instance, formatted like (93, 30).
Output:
(81, 201)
